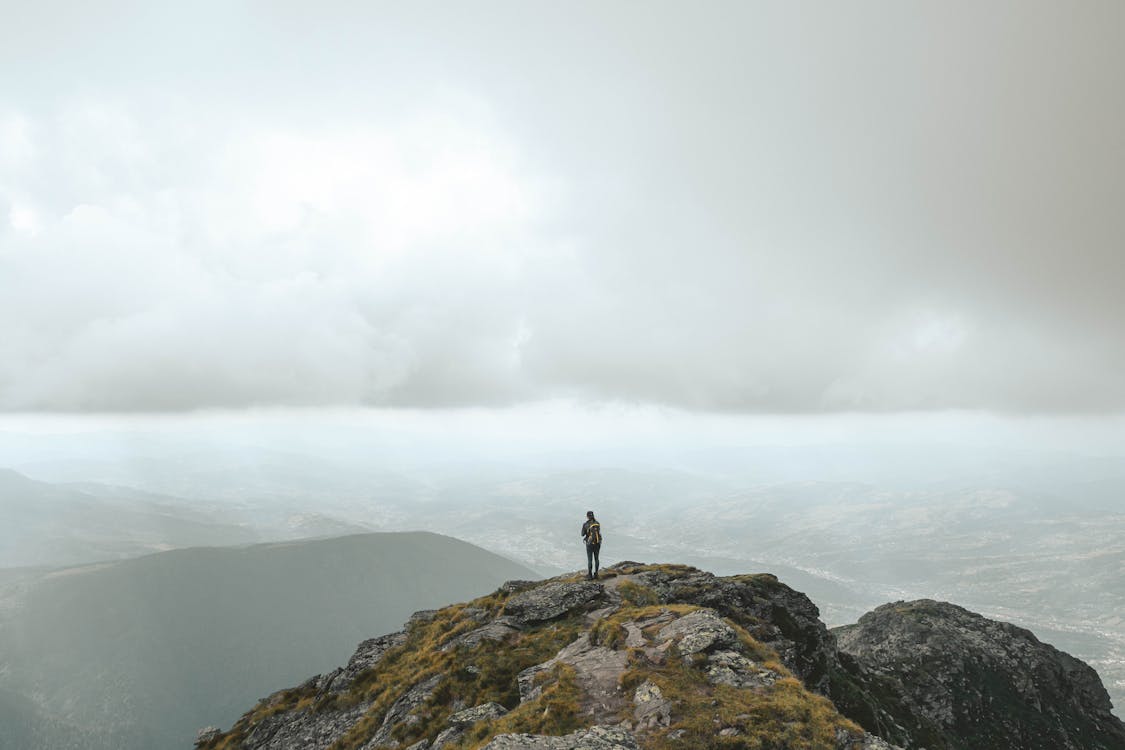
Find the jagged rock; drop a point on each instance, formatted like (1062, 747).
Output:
(207, 734)
(477, 613)
(847, 741)
(367, 655)
(550, 601)
(447, 737)
(784, 619)
(734, 669)
(986, 684)
(512, 587)
(490, 710)
(594, 738)
(462, 720)
(402, 711)
(598, 671)
(699, 631)
(497, 630)
(652, 710)
(596, 614)
(421, 616)
(308, 730)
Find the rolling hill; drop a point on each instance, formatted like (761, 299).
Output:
(141, 653)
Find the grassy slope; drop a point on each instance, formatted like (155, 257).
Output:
(782, 715)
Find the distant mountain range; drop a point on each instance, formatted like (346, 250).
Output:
(55, 524)
(1010, 534)
(45, 524)
(138, 654)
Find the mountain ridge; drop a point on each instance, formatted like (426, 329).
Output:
(659, 657)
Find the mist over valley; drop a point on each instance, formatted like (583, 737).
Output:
(1027, 535)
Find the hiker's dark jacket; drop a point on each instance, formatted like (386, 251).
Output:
(586, 530)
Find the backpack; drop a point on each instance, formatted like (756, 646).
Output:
(594, 534)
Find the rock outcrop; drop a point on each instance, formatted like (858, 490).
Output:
(657, 656)
(984, 684)
(598, 738)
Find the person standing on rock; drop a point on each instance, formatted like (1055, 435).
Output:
(592, 535)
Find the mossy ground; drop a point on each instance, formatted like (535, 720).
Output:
(555, 712)
(783, 715)
(468, 677)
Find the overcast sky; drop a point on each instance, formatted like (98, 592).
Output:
(748, 206)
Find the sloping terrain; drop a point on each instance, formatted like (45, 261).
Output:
(655, 657)
(139, 654)
(660, 657)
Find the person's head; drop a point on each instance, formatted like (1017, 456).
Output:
(590, 515)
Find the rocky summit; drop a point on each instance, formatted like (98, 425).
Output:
(670, 657)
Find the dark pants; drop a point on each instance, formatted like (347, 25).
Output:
(592, 563)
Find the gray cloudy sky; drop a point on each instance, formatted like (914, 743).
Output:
(745, 206)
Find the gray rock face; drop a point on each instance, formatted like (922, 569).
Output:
(702, 630)
(309, 730)
(635, 637)
(367, 655)
(734, 669)
(317, 730)
(483, 712)
(845, 741)
(550, 601)
(598, 670)
(784, 619)
(497, 631)
(652, 710)
(595, 738)
(512, 587)
(462, 720)
(421, 616)
(207, 734)
(402, 711)
(986, 684)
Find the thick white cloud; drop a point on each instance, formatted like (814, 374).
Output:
(741, 207)
(261, 266)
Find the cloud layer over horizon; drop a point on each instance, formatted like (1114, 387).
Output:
(765, 207)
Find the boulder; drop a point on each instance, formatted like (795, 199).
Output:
(550, 601)
(699, 631)
(736, 670)
(652, 710)
(987, 685)
(497, 630)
